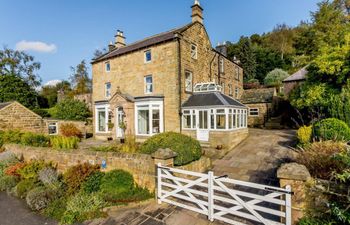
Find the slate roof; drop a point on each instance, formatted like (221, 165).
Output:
(297, 76)
(211, 99)
(4, 104)
(261, 95)
(162, 37)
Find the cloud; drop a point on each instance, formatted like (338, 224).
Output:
(52, 83)
(36, 46)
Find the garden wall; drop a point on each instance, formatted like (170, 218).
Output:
(141, 166)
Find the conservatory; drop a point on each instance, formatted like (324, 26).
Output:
(211, 116)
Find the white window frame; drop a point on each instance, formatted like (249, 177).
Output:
(254, 110)
(108, 63)
(188, 82)
(222, 65)
(194, 51)
(230, 91)
(236, 92)
(108, 92)
(147, 84)
(145, 56)
(98, 108)
(151, 106)
(237, 73)
(51, 124)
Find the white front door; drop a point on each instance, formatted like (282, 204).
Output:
(203, 125)
(119, 120)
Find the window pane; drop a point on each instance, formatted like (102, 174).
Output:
(203, 119)
(148, 56)
(52, 128)
(234, 119)
(110, 120)
(220, 111)
(212, 122)
(155, 121)
(143, 121)
(220, 121)
(229, 121)
(194, 123)
(187, 121)
(101, 120)
(188, 81)
(149, 84)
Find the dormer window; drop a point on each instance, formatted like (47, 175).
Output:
(107, 66)
(194, 53)
(148, 56)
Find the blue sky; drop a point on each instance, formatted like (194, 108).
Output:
(62, 33)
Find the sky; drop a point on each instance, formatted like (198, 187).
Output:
(61, 33)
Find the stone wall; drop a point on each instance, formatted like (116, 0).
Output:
(256, 121)
(141, 166)
(16, 116)
(226, 139)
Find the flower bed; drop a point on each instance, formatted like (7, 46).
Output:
(78, 194)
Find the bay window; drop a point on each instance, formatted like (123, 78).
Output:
(149, 118)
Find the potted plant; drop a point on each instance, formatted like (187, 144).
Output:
(110, 125)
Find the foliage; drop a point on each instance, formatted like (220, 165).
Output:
(49, 177)
(187, 148)
(70, 130)
(49, 92)
(41, 112)
(11, 136)
(93, 182)
(82, 207)
(35, 140)
(281, 39)
(13, 169)
(118, 186)
(31, 169)
(14, 88)
(319, 158)
(24, 186)
(304, 134)
(70, 109)
(331, 129)
(80, 79)
(313, 221)
(275, 77)
(7, 182)
(21, 65)
(60, 142)
(105, 148)
(76, 175)
(56, 208)
(339, 105)
(40, 197)
(130, 145)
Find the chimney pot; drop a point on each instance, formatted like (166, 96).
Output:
(119, 39)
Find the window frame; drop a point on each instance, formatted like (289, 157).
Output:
(50, 125)
(194, 52)
(236, 92)
(99, 108)
(108, 93)
(190, 90)
(254, 110)
(145, 56)
(146, 85)
(230, 91)
(151, 106)
(109, 66)
(237, 73)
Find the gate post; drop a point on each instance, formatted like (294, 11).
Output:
(211, 196)
(288, 206)
(159, 183)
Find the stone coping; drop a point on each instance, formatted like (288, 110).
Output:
(293, 171)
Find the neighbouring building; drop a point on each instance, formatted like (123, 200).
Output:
(15, 116)
(294, 80)
(260, 103)
(164, 83)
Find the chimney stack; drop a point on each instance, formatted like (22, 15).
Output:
(197, 12)
(111, 46)
(119, 39)
(222, 48)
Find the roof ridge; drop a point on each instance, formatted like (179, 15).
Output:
(222, 99)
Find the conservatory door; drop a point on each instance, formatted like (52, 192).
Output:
(202, 125)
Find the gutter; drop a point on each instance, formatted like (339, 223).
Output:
(177, 36)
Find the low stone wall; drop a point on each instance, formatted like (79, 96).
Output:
(143, 167)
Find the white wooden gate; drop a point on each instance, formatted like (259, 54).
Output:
(224, 199)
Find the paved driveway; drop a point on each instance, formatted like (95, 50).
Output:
(15, 212)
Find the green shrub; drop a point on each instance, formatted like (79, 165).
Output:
(60, 142)
(70, 130)
(24, 186)
(314, 221)
(35, 140)
(70, 109)
(56, 208)
(31, 169)
(8, 182)
(104, 149)
(92, 184)
(187, 148)
(40, 197)
(331, 129)
(42, 112)
(118, 186)
(82, 207)
(304, 134)
(11, 136)
(275, 77)
(76, 175)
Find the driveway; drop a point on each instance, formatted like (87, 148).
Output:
(15, 212)
(257, 158)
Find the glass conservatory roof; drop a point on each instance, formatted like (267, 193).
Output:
(207, 87)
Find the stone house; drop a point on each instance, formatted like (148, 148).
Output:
(15, 116)
(260, 103)
(144, 85)
(294, 80)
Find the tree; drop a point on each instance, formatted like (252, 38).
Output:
(99, 52)
(243, 50)
(281, 40)
(14, 88)
(49, 92)
(80, 79)
(275, 77)
(16, 63)
(70, 109)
